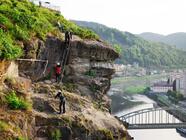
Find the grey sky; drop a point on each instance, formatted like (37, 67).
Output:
(136, 16)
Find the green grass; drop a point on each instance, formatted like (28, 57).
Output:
(15, 102)
(135, 89)
(118, 80)
(3, 126)
(23, 21)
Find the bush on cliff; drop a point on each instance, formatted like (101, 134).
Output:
(8, 50)
(15, 102)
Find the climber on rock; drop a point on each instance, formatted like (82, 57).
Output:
(61, 97)
(60, 26)
(58, 72)
(68, 37)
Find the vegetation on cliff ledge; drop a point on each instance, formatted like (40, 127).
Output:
(22, 20)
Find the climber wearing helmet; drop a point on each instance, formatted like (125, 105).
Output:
(58, 72)
(68, 37)
(61, 97)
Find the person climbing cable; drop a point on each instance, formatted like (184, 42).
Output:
(58, 72)
(60, 26)
(70, 34)
(40, 4)
(68, 37)
(61, 97)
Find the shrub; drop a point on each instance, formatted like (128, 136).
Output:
(93, 88)
(5, 21)
(20, 34)
(118, 48)
(15, 102)
(7, 49)
(91, 73)
(55, 134)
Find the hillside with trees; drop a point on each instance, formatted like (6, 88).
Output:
(175, 39)
(136, 49)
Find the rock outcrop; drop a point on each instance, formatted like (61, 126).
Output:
(89, 65)
(83, 120)
(86, 80)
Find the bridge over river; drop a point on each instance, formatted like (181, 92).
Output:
(155, 118)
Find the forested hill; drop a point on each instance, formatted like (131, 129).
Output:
(136, 49)
(176, 39)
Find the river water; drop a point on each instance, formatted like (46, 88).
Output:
(150, 134)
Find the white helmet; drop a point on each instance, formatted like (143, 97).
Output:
(59, 91)
(58, 63)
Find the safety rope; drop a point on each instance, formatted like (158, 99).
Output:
(36, 60)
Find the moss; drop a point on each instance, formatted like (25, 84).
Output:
(67, 120)
(98, 105)
(93, 88)
(2, 99)
(3, 126)
(55, 134)
(107, 134)
(91, 73)
(70, 87)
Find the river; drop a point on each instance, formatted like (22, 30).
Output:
(150, 134)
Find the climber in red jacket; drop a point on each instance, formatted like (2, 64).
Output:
(58, 72)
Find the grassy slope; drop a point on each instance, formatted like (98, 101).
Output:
(20, 21)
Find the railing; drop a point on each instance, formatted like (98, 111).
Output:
(153, 118)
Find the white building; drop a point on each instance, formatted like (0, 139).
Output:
(161, 87)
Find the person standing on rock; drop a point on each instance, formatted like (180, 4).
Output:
(58, 72)
(62, 101)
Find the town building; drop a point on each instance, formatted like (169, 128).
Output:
(161, 87)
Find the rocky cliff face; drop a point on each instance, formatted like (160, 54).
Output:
(86, 80)
(89, 65)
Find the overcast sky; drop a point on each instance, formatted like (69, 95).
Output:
(135, 16)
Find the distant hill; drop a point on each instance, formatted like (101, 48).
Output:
(176, 39)
(137, 49)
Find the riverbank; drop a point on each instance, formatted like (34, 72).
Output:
(161, 101)
(125, 91)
